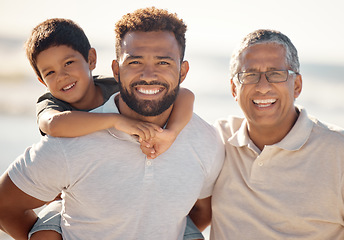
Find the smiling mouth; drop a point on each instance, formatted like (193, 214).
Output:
(68, 87)
(264, 102)
(151, 91)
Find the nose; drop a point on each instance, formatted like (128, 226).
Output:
(62, 75)
(148, 73)
(263, 86)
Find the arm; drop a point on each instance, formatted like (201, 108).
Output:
(78, 123)
(180, 116)
(16, 214)
(201, 213)
(182, 112)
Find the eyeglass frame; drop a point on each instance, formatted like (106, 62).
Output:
(289, 72)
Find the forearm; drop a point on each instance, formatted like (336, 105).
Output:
(76, 123)
(201, 213)
(16, 214)
(182, 111)
(17, 224)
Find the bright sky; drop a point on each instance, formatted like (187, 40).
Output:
(314, 26)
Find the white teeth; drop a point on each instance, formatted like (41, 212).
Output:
(264, 102)
(69, 87)
(150, 92)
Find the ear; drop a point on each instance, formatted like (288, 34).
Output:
(184, 69)
(234, 89)
(92, 59)
(39, 79)
(297, 85)
(115, 69)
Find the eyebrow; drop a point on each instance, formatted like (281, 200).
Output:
(164, 57)
(131, 57)
(255, 69)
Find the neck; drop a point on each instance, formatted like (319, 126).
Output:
(159, 120)
(269, 135)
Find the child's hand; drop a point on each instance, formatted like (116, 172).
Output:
(158, 144)
(148, 149)
(144, 130)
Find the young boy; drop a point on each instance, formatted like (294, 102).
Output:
(61, 55)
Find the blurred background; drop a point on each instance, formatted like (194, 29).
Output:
(214, 29)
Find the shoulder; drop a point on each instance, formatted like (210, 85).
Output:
(204, 140)
(227, 127)
(48, 101)
(199, 127)
(100, 79)
(108, 85)
(46, 96)
(199, 135)
(327, 130)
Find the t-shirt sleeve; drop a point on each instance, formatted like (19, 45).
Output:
(214, 168)
(108, 85)
(48, 102)
(41, 171)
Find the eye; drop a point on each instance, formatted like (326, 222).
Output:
(134, 62)
(49, 73)
(275, 73)
(251, 74)
(69, 63)
(164, 63)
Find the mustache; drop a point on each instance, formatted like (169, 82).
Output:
(150, 83)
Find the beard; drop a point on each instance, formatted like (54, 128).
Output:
(148, 108)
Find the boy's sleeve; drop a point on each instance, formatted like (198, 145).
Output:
(108, 85)
(48, 102)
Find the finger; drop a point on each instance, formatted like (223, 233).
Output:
(152, 156)
(149, 130)
(146, 131)
(146, 150)
(145, 144)
(156, 127)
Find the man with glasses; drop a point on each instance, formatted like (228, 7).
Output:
(283, 175)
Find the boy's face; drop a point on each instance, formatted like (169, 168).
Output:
(149, 71)
(66, 74)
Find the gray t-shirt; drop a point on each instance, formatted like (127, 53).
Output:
(112, 191)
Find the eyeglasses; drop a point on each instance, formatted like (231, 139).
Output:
(275, 76)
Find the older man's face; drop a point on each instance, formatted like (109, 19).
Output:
(267, 104)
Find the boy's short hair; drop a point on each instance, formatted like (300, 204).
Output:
(55, 32)
(149, 20)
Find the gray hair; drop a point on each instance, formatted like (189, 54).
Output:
(266, 36)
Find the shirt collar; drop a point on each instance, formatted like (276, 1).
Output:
(294, 140)
(299, 134)
(110, 107)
